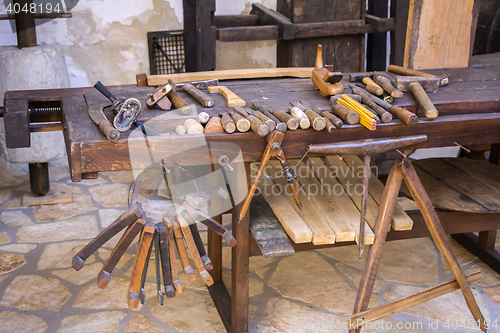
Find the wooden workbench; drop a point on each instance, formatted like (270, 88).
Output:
(469, 114)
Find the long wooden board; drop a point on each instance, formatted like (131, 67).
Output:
(400, 220)
(343, 200)
(326, 205)
(231, 74)
(293, 224)
(321, 229)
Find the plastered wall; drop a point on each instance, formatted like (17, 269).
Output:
(106, 39)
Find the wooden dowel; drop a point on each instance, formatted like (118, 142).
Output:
(330, 127)
(242, 124)
(201, 97)
(214, 125)
(228, 123)
(291, 122)
(304, 121)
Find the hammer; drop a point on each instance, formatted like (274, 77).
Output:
(444, 78)
(419, 86)
(371, 86)
(386, 84)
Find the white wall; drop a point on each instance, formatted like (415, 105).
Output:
(106, 39)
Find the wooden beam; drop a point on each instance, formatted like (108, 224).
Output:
(229, 21)
(248, 33)
(404, 303)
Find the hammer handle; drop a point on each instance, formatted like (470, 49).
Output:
(372, 86)
(407, 117)
(111, 133)
(204, 100)
(386, 84)
(346, 114)
(424, 101)
(291, 122)
(337, 122)
(228, 123)
(407, 71)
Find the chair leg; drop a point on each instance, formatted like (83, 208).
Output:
(387, 204)
(438, 235)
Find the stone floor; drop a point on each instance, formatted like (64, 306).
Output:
(40, 292)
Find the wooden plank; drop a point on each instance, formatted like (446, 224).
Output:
(351, 212)
(231, 74)
(293, 224)
(462, 182)
(443, 196)
(400, 220)
(353, 187)
(234, 34)
(52, 197)
(404, 303)
(321, 229)
(486, 174)
(226, 21)
(325, 205)
(439, 34)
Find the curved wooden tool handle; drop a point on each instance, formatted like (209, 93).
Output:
(407, 117)
(204, 100)
(366, 147)
(233, 100)
(424, 101)
(111, 133)
(386, 84)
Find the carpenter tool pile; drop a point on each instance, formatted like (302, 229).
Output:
(181, 233)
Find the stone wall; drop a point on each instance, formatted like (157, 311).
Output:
(106, 40)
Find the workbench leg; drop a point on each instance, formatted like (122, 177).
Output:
(438, 235)
(384, 217)
(215, 251)
(39, 178)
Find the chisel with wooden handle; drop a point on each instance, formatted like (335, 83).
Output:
(142, 292)
(165, 260)
(205, 276)
(382, 113)
(181, 248)
(212, 224)
(280, 126)
(386, 84)
(227, 122)
(201, 248)
(257, 126)
(180, 104)
(242, 124)
(271, 125)
(141, 254)
(124, 220)
(198, 95)
(317, 122)
(173, 262)
(407, 117)
(105, 274)
(159, 294)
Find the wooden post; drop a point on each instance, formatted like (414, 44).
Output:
(25, 24)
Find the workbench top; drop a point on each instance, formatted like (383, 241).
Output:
(469, 113)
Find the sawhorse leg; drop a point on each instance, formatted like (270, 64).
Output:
(404, 170)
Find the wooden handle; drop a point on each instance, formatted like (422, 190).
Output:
(181, 248)
(128, 236)
(424, 101)
(330, 127)
(372, 87)
(175, 98)
(280, 126)
(173, 263)
(214, 125)
(111, 133)
(386, 84)
(268, 121)
(233, 100)
(407, 117)
(193, 126)
(318, 123)
(203, 99)
(257, 126)
(346, 114)
(381, 112)
(407, 71)
(242, 124)
(304, 121)
(203, 117)
(141, 255)
(205, 276)
(291, 122)
(201, 248)
(337, 122)
(228, 124)
(165, 260)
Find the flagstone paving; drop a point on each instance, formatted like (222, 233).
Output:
(311, 291)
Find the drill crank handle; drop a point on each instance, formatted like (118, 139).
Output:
(103, 90)
(289, 177)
